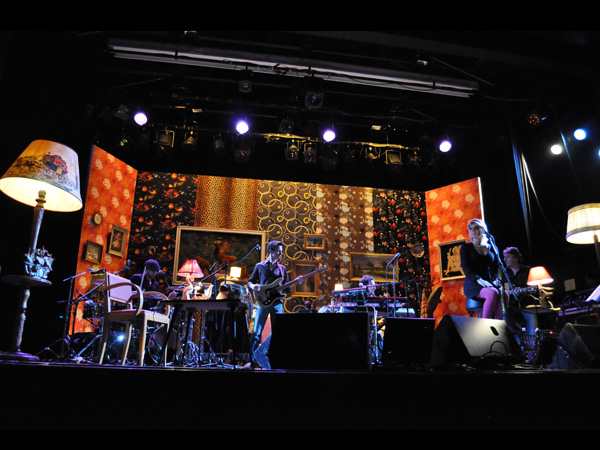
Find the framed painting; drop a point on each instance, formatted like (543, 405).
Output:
(93, 252)
(219, 248)
(117, 241)
(310, 286)
(314, 242)
(449, 254)
(374, 264)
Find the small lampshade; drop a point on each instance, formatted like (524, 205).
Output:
(45, 166)
(539, 275)
(583, 222)
(190, 268)
(235, 272)
(338, 287)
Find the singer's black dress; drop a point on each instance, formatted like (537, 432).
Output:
(475, 267)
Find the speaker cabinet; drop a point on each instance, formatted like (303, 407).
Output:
(462, 340)
(407, 341)
(582, 343)
(319, 341)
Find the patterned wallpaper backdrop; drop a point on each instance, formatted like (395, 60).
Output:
(353, 219)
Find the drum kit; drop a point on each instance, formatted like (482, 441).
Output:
(196, 340)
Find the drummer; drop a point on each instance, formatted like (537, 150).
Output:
(147, 282)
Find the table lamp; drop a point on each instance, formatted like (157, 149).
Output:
(45, 176)
(583, 226)
(189, 270)
(539, 276)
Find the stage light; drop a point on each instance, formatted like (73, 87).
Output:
(445, 146)
(140, 118)
(556, 149)
(580, 134)
(291, 152)
(242, 127)
(310, 153)
(313, 99)
(328, 135)
(190, 141)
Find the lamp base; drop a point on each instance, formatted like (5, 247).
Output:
(18, 357)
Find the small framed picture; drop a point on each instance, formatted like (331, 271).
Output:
(93, 252)
(310, 286)
(314, 242)
(117, 241)
(449, 253)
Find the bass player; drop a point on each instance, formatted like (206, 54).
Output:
(265, 273)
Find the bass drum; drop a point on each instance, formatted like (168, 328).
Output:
(156, 344)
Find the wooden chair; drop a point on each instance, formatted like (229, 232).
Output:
(121, 291)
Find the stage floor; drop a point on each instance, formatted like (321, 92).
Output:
(50, 395)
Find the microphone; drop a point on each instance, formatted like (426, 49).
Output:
(128, 264)
(160, 272)
(396, 256)
(256, 247)
(95, 272)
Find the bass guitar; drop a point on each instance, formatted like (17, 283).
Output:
(269, 293)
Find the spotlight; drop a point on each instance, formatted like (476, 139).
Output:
(329, 134)
(556, 149)
(242, 127)
(140, 118)
(291, 152)
(245, 84)
(164, 139)
(310, 153)
(394, 158)
(190, 141)
(286, 126)
(313, 99)
(445, 146)
(580, 134)
(218, 143)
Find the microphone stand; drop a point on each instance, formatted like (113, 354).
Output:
(68, 308)
(393, 260)
(232, 319)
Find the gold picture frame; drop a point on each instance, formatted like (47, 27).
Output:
(314, 242)
(204, 244)
(449, 254)
(118, 241)
(373, 264)
(93, 252)
(310, 286)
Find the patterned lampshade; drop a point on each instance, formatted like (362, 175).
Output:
(45, 166)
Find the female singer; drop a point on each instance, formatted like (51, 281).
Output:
(480, 266)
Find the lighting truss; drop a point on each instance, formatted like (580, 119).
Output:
(290, 66)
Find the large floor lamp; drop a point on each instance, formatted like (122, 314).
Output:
(583, 226)
(45, 176)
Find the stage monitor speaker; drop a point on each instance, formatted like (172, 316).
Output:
(582, 343)
(463, 340)
(407, 340)
(319, 341)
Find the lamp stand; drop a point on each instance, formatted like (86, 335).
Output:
(26, 282)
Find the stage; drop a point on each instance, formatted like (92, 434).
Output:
(70, 396)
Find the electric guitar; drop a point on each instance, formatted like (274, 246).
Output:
(269, 293)
(523, 290)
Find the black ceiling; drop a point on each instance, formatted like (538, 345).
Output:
(512, 74)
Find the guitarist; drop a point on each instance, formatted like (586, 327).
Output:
(517, 274)
(264, 273)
